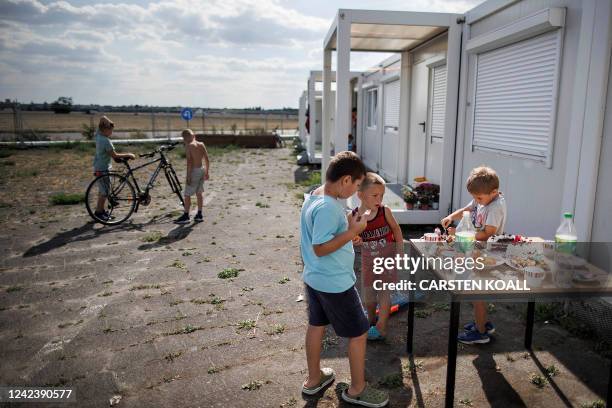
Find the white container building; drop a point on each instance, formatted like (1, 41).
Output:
(521, 86)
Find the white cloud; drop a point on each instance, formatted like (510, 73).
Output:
(206, 53)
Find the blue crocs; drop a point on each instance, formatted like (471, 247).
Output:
(374, 334)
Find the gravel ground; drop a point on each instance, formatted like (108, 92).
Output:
(140, 311)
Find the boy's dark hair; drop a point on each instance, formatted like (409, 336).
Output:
(345, 164)
(482, 180)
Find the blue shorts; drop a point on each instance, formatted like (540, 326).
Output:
(343, 311)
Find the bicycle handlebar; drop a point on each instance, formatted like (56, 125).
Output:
(162, 148)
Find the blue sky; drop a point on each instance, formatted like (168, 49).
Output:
(213, 53)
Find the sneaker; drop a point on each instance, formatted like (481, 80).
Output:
(473, 337)
(199, 217)
(472, 326)
(183, 219)
(369, 397)
(104, 215)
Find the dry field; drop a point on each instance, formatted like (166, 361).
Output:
(73, 122)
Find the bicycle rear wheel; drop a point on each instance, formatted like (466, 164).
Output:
(175, 184)
(120, 199)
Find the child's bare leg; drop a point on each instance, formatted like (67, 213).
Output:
(100, 204)
(200, 198)
(314, 338)
(480, 315)
(384, 299)
(356, 355)
(187, 204)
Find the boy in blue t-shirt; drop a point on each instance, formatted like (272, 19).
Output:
(327, 250)
(105, 151)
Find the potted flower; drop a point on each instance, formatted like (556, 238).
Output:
(424, 201)
(410, 198)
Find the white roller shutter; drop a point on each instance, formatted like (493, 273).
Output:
(515, 97)
(392, 105)
(438, 101)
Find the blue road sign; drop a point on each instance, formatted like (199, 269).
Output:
(187, 114)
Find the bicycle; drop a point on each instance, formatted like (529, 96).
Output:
(124, 195)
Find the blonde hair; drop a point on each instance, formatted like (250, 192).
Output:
(370, 180)
(105, 123)
(482, 180)
(187, 132)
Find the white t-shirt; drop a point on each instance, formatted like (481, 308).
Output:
(493, 214)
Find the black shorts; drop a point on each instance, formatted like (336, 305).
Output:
(343, 311)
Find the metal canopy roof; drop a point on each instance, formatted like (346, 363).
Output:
(388, 31)
(388, 37)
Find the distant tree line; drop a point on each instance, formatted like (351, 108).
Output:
(64, 105)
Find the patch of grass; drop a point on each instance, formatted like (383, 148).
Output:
(254, 385)
(552, 370)
(314, 178)
(466, 401)
(261, 205)
(214, 300)
(422, 314)
(79, 146)
(152, 236)
(105, 294)
(284, 280)
(546, 311)
(66, 198)
(170, 357)
(229, 273)
(538, 380)
(276, 329)
(7, 163)
(291, 403)
(246, 324)
(178, 264)
(329, 342)
(594, 404)
(176, 302)
(26, 173)
(213, 370)
(413, 366)
(247, 289)
(5, 153)
(143, 287)
(185, 330)
(392, 381)
(440, 307)
(16, 288)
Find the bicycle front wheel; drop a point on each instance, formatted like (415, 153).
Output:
(115, 195)
(175, 184)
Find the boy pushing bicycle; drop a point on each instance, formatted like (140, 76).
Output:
(102, 163)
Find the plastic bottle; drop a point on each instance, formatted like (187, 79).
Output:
(566, 236)
(465, 234)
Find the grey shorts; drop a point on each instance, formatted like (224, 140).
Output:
(103, 185)
(197, 182)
